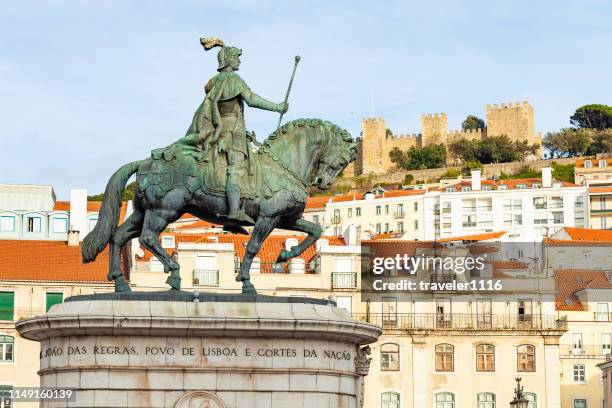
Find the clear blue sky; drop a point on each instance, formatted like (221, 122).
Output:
(86, 86)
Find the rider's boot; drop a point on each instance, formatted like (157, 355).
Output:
(233, 200)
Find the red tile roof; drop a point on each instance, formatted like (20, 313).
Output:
(588, 234)
(570, 281)
(508, 265)
(269, 251)
(316, 202)
(594, 162)
(195, 225)
(49, 261)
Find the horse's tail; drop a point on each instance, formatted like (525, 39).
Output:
(108, 218)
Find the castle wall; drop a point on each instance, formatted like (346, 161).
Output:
(434, 128)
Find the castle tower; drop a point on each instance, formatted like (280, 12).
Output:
(514, 120)
(434, 128)
(371, 149)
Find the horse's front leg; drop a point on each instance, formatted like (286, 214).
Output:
(314, 233)
(263, 228)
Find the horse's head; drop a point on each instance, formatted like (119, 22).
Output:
(314, 149)
(335, 156)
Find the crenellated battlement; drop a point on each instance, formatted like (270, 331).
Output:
(470, 132)
(507, 105)
(433, 115)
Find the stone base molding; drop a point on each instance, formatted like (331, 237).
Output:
(137, 353)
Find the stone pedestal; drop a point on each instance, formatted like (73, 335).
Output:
(210, 351)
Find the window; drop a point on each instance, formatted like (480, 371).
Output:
(539, 203)
(602, 312)
(536, 185)
(386, 209)
(60, 224)
(446, 207)
(485, 400)
(588, 164)
(386, 227)
(389, 309)
(533, 400)
(444, 357)
(502, 187)
(167, 241)
(450, 189)
(34, 224)
(399, 210)
(602, 202)
(485, 357)
(466, 188)
(5, 396)
(557, 217)
(53, 299)
(389, 400)
(602, 163)
(579, 373)
(525, 358)
(378, 228)
(400, 227)
(389, 357)
(7, 223)
(556, 202)
(378, 210)
(416, 225)
(521, 186)
(518, 219)
(486, 188)
(358, 211)
(603, 223)
(349, 212)
(7, 302)
(580, 403)
(577, 343)
(445, 400)
(6, 348)
(315, 219)
(416, 206)
(606, 343)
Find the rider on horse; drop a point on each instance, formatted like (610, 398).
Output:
(219, 121)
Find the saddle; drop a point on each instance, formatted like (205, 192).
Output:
(189, 167)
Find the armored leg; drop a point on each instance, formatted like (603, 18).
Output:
(235, 174)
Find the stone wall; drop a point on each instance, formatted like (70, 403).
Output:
(488, 171)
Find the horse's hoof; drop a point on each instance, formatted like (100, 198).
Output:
(238, 278)
(248, 288)
(174, 282)
(121, 285)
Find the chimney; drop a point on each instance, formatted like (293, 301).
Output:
(546, 177)
(78, 212)
(475, 180)
(73, 238)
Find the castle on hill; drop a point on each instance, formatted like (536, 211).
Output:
(516, 120)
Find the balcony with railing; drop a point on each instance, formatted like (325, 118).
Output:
(602, 316)
(395, 322)
(206, 277)
(344, 280)
(399, 214)
(336, 220)
(597, 351)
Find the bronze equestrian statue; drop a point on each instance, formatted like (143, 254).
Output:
(214, 174)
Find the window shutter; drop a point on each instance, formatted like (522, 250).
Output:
(7, 304)
(53, 299)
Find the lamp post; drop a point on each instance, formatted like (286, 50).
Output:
(519, 400)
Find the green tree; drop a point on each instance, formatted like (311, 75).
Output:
(563, 172)
(473, 122)
(408, 178)
(464, 149)
(601, 142)
(595, 116)
(451, 173)
(568, 142)
(429, 157)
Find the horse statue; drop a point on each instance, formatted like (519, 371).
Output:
(300, 154)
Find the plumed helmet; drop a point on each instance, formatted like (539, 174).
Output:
(225, 53)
